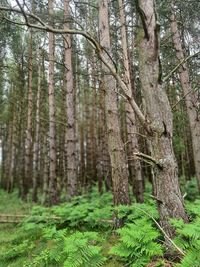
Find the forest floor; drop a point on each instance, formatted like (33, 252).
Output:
(10, 204)
(80, 233)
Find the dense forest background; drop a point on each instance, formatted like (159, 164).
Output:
(100, 130)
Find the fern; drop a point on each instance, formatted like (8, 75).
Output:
(137, 244)
(193, 208)
(63, 249)
(88, 211)
(81, 250)
(17, 251)
(188, 238)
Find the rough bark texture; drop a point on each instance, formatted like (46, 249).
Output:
(115, 145)
(70, 137)
(166, 186)
(53, 198)
(191, 100)
(134, 164)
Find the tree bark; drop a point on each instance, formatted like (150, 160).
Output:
(115, 144)
(191, 100)
(166, 186)
(36, 146)
(28, 140)
(132, 142)
(53, 197)
(11, 155)
(70, 137)
(104, 172)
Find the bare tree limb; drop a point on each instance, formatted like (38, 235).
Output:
(148, 159)
(99, 50)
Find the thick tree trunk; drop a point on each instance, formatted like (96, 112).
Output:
(70, 138)
(53, 196)
(166, 186)
(191, 99)
(134, 164)
(115, 144)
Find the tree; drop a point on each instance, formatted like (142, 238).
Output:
(191, 97)
(115, 145)
(29, 129)
(53, 197)
(157, 121)
(70, 136)
(36, 146)
(165, 181)
(131, 123)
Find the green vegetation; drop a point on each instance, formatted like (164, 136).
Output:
(81, 233)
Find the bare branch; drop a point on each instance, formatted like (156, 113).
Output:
(182, 98)
(99, 50)
(179, 65)
(24, 14)
(148, 159)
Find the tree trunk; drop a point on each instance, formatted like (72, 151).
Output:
(115, 145)
(11, 156)
(132, 142)
(103, 164)
(53, 197)
(70, 138)
(166, 186)
(45, 173)
(28, 140)
(36, 146)
(191, 100)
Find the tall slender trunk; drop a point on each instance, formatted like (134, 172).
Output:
(36, 146)
(134, 164)
(82, 154)
(53, 196)
(28, 140)
(103, 158)
(45, 169)
(93, 122)
(191, 100)
(115, 145)
(11, 156)
(166, 186)
(70, 138)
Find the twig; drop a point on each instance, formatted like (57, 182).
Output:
(184, 97)
(178, 65)
(163, 231)
(22, 10)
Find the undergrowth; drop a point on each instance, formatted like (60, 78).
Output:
(82, 233)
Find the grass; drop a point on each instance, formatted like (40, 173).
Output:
(10, 204)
